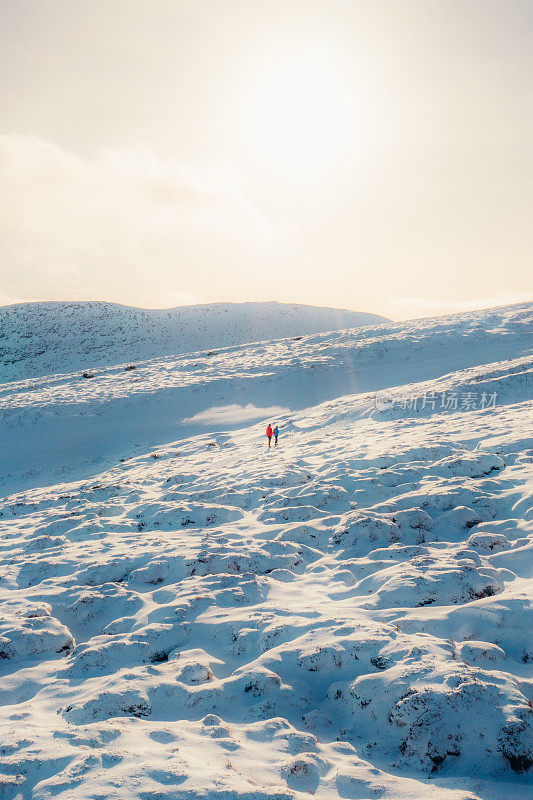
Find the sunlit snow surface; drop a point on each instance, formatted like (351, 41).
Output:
(348, 615)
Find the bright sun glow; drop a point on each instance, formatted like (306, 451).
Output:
(301, 116)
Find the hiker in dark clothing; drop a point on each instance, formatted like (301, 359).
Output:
(276, 433)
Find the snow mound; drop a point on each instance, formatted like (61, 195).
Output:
(28, 631)
(431, 705)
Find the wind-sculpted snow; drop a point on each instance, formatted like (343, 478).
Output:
(348, 615)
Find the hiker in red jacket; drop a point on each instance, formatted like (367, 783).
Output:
(269, 433)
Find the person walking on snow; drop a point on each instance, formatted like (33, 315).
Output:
(269, 433)
(275, 432)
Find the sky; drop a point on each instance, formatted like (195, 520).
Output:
(375, 155)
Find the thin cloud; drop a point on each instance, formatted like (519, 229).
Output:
(6, 300)
(119, 225)
(404, 307)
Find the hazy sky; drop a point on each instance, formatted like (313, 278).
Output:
(374, 155)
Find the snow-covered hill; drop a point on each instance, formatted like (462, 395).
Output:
(42, 338)
(187, 613)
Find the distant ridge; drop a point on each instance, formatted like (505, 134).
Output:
(49, 337)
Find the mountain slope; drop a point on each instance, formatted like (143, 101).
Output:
(76, 425)
(189, 614)
(43, 338)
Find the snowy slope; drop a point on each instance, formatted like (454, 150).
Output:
(76, 425)
(189, 614)
(42, 338)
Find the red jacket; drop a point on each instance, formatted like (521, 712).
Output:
(269, 431)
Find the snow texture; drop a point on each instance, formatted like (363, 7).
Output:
(348, 615)
(39, 338)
